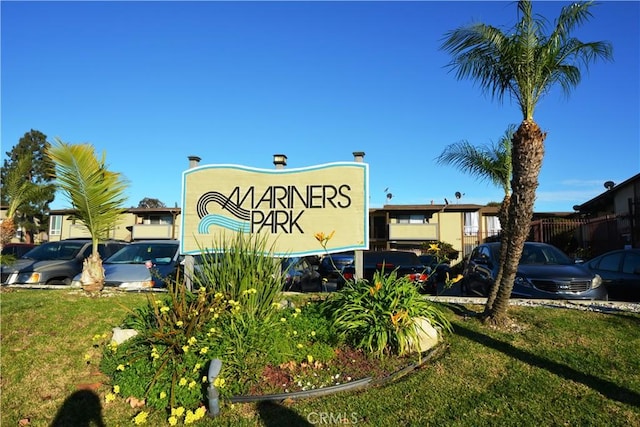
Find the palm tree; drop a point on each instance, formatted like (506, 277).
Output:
(523, 63)
(96, 195)
(19, 190)
(494, 164)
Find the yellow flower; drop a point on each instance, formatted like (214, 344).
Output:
(163, 395)
(178, 412)
(116, 389)
(183, 381)
(313, 333)
(196, 367)
(87, 356)
(434, 247)
(192, 384)
(120, 367)
(179, 323)
(189, 418)
(204, 350)
(172, 420)
(110, 397)
(309, 358)
(219, 382)
(300, 346)
(141, 418)
(192, 340)
(164, 309)
(282, 319)
(204, 378)
(185, 348)
(455, 279)
(200, 412)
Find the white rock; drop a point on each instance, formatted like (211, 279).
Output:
(121, 335)
(427, 337)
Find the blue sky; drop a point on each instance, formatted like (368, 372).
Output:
(151, 83)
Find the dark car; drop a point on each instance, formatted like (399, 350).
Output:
(544, 271)
(54, 263)
(620, 272)
(404, 263)
(331, 265)
(141, 265)
(16, 250)
(300, 275)
(438, 273)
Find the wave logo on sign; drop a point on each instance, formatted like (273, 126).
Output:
(240, 223)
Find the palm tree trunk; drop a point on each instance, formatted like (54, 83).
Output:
(528, 151)
(92, 277)
(7, 231)
(503, 215)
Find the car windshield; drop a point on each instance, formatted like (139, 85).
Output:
(137, 253)
(543, 254)
(55, 251)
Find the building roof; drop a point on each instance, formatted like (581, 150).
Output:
(606, 198)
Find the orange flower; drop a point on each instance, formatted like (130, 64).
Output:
(376, 288)
(324, 238)
(398, 317)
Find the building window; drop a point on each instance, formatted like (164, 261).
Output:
(470, 223)
(411, 219)
(493, 226)
(56, 225)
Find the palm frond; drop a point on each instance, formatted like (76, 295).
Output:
(524, 62)
(95, 193)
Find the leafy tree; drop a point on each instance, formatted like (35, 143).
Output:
(31, 212)
(523, 63)
(96, 196)
(494, 164)
(151, 203)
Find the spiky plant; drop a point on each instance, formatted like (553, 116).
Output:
(96, 196)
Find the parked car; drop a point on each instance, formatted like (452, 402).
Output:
(404, 263)
(142, 265)
(620, 272)
(437, 272)
(16, 250)
(54, 263)
(300, 275)
(544, 271)
(331, 265)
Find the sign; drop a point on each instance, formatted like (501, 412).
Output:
(288, 207)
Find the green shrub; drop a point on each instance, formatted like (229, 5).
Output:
(379, 317)
(233, 316)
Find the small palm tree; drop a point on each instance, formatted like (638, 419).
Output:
(19, 190)
(492, 163)
(523, 63)
(96, 196)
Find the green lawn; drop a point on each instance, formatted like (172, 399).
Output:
(554, 367)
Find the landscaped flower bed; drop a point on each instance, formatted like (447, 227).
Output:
(267, 343)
